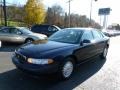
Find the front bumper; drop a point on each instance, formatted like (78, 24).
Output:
(35, 69)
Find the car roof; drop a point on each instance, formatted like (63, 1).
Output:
(80, 28)
(13, 27)
(41, 25)
(22, 27)
(7, 27)
(46, 25)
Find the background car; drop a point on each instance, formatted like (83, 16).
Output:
(45, 29)
(19, 35)
(62, 52)
(111, 33)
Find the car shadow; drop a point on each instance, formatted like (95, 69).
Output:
(18, 80)
(9, 47)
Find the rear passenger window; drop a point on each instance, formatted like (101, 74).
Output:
(97, 35)
(87, 35)
(6, 30)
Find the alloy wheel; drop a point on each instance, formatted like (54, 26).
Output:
(67, 69)
(105, 52)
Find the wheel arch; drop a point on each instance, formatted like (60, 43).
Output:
(73, 57)
(28, 39)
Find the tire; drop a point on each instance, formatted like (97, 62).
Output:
(104, 53)
(66, 69)
(29, 40)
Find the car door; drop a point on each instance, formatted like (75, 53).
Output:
(4, 35)
(16, 35)
(99, 41)
(86, 50)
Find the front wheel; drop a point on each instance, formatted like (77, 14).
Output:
(29, 40)
(67, 69)
(104, 54)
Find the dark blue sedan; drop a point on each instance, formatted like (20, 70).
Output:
(61, 52)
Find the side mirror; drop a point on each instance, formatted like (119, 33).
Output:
(84, 42)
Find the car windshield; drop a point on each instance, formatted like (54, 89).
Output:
(25, 30)
(66, 36)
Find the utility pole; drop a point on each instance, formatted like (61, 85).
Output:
(4, 10)
(90, 12)
(1, 11)
(91, 4)
(69, 12)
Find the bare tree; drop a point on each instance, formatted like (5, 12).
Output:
(55, 15)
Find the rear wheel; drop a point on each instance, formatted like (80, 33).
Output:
(67, 68)
(104, 54)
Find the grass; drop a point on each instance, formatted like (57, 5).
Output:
(13, 23)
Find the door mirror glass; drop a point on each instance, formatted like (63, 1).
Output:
(86, 41)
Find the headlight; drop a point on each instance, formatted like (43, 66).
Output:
(40, 61)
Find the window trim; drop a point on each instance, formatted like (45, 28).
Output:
(98, 33)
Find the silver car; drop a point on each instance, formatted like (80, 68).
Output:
(19, 35)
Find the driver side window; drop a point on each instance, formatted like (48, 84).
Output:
(52, 29)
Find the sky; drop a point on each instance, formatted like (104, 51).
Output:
(82, 7)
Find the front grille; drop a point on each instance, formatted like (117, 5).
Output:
(20, 57)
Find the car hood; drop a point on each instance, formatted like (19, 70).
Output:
(41, 36)
(37, 48)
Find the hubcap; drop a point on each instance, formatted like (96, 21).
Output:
(29, 41)
(105, 52)
(67, 69)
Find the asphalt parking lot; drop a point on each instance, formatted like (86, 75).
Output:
(96, 74)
